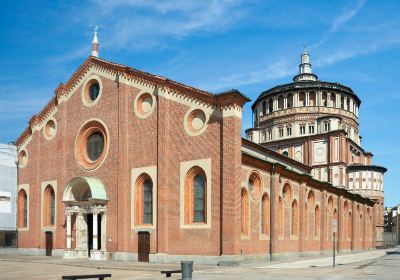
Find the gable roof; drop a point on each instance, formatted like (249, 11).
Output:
(228, 98)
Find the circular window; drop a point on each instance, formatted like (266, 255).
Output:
(22, 158)
(94, 91)
(91, 145)
(95, 146)
(195, 122)
(144, 105)
(91, 91)
(50, 129)
(255, 185)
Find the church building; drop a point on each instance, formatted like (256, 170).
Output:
(126, 165)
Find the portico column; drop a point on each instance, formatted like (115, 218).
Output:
(69, 232)
(95, 234)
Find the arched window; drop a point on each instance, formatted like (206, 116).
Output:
(317, 223)
(302, 99)
(280, 217)
(294, 219)
(49, 206)
(195, 196)
(144, 200)
(264, 107)
(280, 103)
(265, 214)
(334, 217)
(147, 202)
(270, 105)
(342, 102)
(324, 100)
(305, 220)
(332, 100)
(22, 209)
(199, 198)
(290, 100)
(245, 212)
(350, 226)
(312, 99)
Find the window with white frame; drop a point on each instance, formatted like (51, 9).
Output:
(289, 131)
(302, 129)
(327, 126)
(264, 136)
(281, 132)
(311, 129)
(269, 134)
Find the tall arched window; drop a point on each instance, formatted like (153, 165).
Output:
(350, 226)
(199, 199)
(265, 214)
(312, 99)
(332, 100)
(22, 209)
(324, 100)
(270, 105)
(290, 100)
(295, 218)
(245, 212)
(280, 217)
(195, 196)
(317, 222)
(144, 201)
(264, 107)
(49, 206)
(280, 102)
(305, 220)
(147, 202)
(302, 99)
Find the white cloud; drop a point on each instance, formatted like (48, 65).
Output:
(277, 70)
(145, 24)
(348, 14)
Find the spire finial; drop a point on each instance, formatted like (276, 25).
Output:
(304, 48)
(305, 72)
(95, 43)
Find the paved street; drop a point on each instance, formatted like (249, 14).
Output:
(377, 264)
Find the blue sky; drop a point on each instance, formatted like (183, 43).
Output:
(214, 45)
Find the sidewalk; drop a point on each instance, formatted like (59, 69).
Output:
(328, 261)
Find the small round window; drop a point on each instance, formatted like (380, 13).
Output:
(50, 129)
(95, 146)
(94, 91)
(195, 122)
(91, 91)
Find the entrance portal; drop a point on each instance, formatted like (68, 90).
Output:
(86, 200)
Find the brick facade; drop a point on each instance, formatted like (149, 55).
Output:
(161, 141)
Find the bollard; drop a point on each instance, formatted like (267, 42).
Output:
(187, 269)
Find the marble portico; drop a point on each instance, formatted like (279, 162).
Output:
(85, 199)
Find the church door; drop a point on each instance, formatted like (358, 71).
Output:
(143, 246)
(49, 242)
